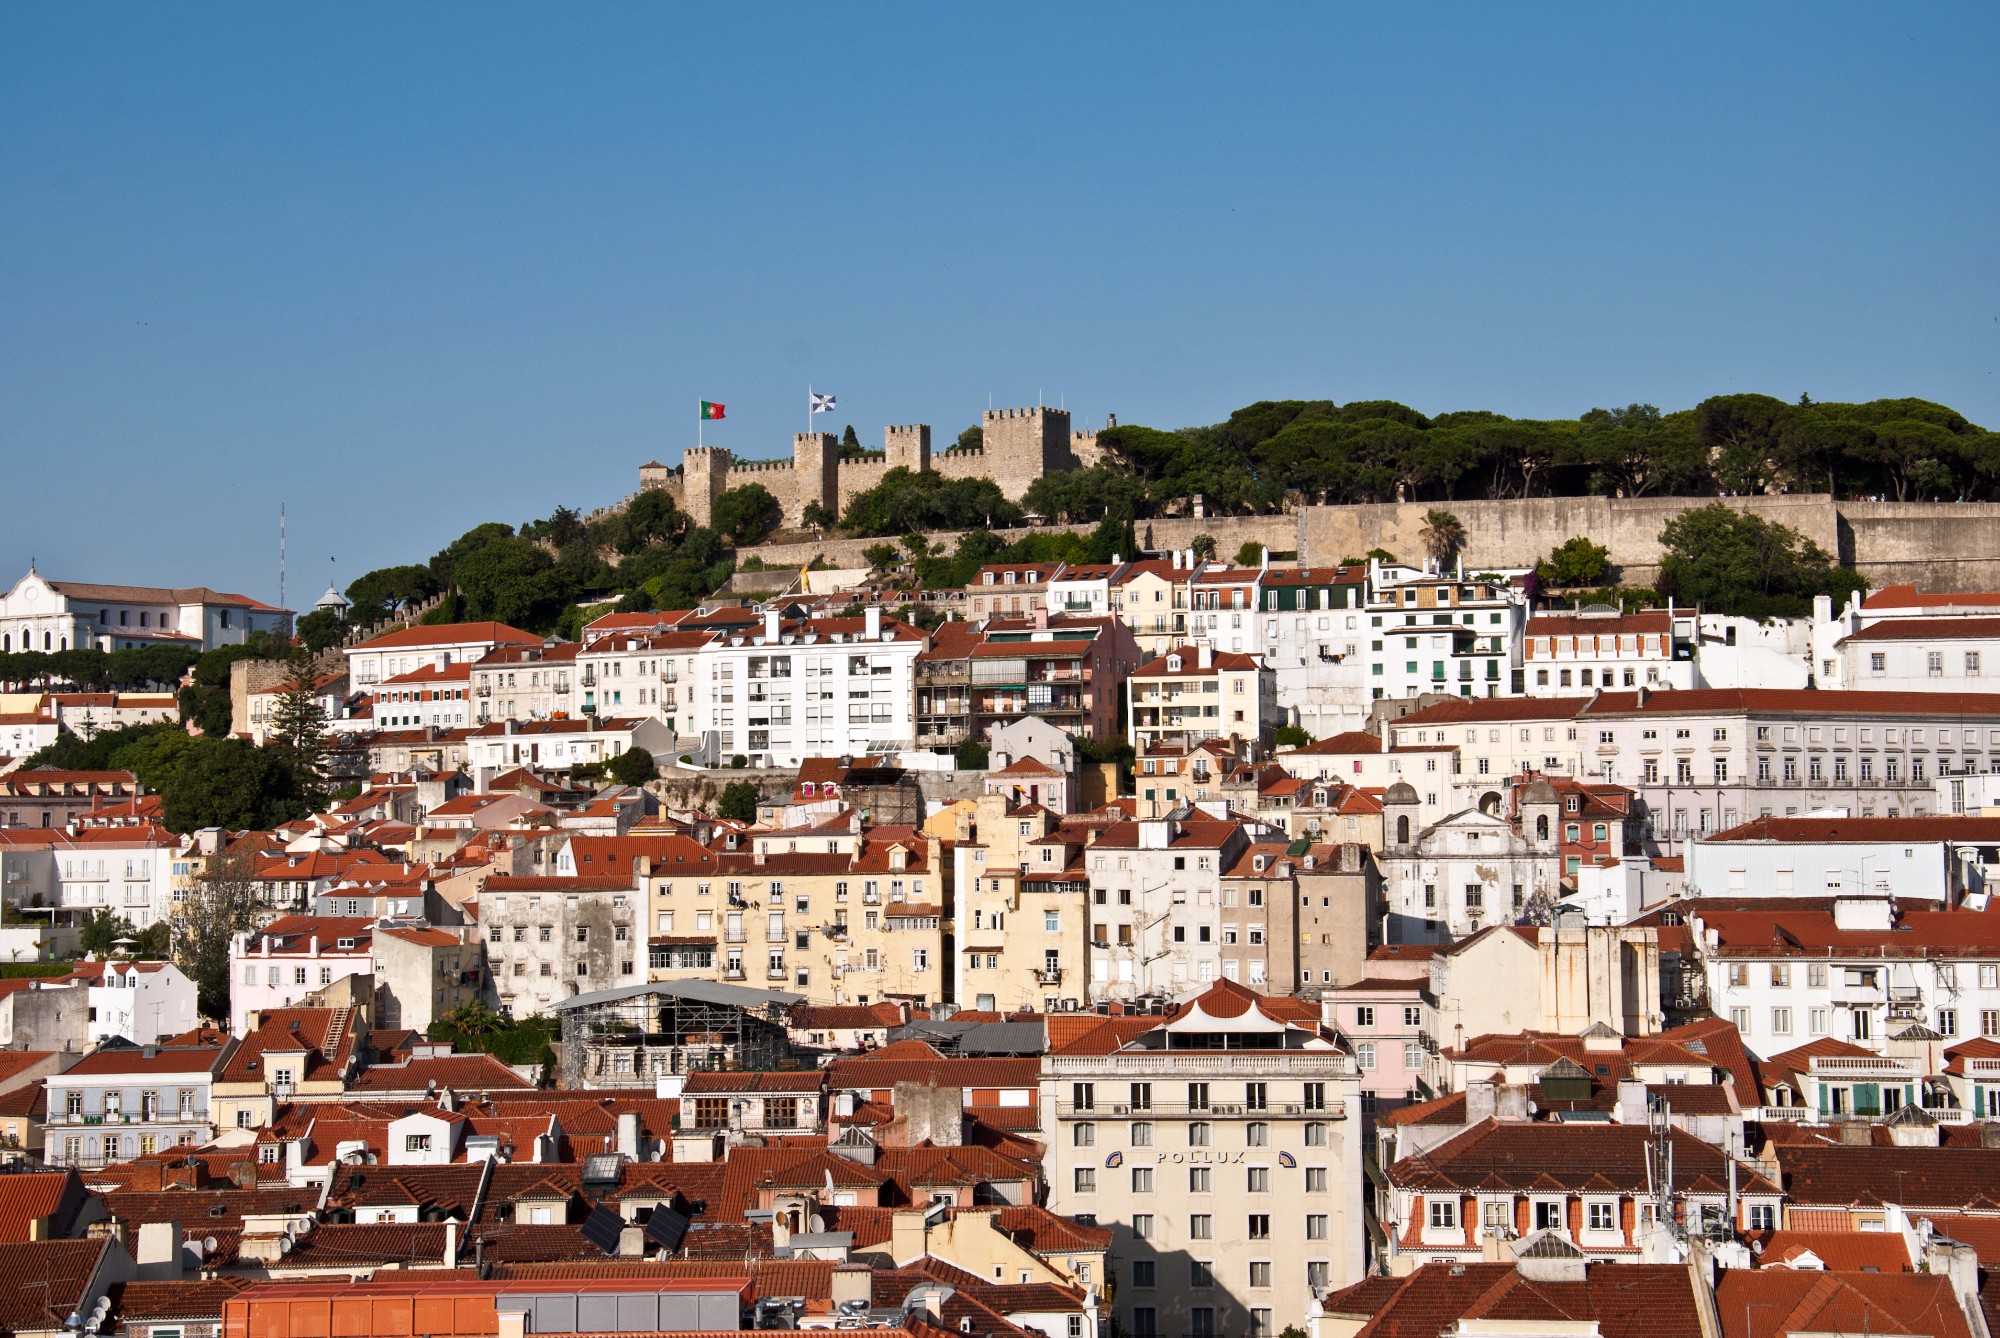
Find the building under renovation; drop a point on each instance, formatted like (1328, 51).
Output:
(635, 1035)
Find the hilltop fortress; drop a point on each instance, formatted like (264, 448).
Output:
(1018, 446)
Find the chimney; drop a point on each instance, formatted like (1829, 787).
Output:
(771, 626)
(907, 1235)
(1266, 564)
(1205, 656)
(451, 1243)
(1480, 1100)
(851, 1282)
(158, 1253)
(628, 1135)
(872, 616)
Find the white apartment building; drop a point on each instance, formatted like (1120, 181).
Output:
(525, 682)
(1860, 969)
(1222, 1147)
(409, 648)
(1313, 633)
(558, 745)
(1197, 693)
(291, 957)
(1083, 588)
(1223, 608)
(125, 870)
(431, 696)
(1444, 634)
(142, 1002)
(1932, 860)
(1708, 759)
(1920, 655)
(1566, 651)
(1158, 904)
(807, 687)
(124, 1101)
(642, 673)
(40, 614)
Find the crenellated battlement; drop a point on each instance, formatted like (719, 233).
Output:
(1019, 446)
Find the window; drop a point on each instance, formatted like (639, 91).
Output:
(1947, 1022)
(1086, 1180)
(1143, 1274)
(1603, 1216)
(1781, 1021)
(1260, 1272)
(1142, 1225)
(1258, 1227)
(1316, 1179)
(1145, 1322)
(1364, 1056)
(416, 1142)
(1259, 1181)
(1199, 1180)
(1201, 1226)
(1083, 1135)
(1142, 1179)
(1763, 1217)
(1256, 1134)
(1364, 1017)
(1315, 1134)
(1548, 1215)
(1443, 1214)
(1198, 1134)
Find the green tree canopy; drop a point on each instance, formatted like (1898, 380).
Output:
(634, 766)
(747, 514)
(738, 802)
(1731, 562)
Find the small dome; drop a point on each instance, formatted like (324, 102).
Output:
(1402, 792)
(1541, 792)
(332, 599)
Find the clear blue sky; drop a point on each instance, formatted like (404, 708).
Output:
(414, 267)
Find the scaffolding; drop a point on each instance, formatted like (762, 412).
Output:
(636, 1035)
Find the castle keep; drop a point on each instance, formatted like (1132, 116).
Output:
(1018, 446)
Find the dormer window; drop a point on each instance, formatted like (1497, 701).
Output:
(1574, 803)
(1173, 664)
(345, 944)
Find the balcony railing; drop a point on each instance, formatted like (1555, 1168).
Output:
(1215, 1110)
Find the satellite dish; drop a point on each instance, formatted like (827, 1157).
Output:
(285, 1245)
(304, 1226)
(208, 1246)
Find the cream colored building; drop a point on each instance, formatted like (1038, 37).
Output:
(839, 914)
(1022, 909)
(1221, 1145)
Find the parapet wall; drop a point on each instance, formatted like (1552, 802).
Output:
(1935, 545)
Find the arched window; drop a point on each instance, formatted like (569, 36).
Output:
(1541, 826)
(1403, 830)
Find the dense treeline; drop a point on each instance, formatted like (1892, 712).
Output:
(202, 781)
(153, 667)
(550, 575)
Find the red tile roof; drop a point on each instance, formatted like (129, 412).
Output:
(448, 634)
(1919, 1178)
(1774, 1302)
(1624, 1300)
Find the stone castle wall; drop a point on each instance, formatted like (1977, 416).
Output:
(1020, 446)
(1934, 545)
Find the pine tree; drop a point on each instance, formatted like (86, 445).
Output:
(298, 722)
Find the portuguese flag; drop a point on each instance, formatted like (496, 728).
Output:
(711, 410)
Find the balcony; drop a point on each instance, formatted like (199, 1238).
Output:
(1217, 1110)
(589, 679)
(1049, 975)
(732, 973)
(775, 973)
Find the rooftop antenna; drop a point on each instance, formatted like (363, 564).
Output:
(281, 555)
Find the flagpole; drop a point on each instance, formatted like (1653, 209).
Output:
(809, 408)
(698, 417)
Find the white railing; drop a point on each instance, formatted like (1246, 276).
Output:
(1871, 1066)
(1277, 1064)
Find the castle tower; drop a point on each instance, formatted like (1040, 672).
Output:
(704, 478)
(815, 473)
(1024, 444)
(908, 446)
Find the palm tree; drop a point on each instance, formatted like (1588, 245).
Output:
(1443, 535)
